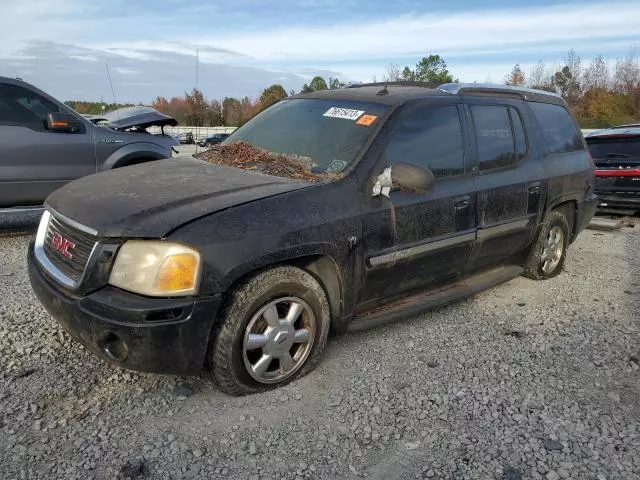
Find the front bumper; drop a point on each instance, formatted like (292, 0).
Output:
(154, 335)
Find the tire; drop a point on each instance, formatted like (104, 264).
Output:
(543, 260)
(236, 364)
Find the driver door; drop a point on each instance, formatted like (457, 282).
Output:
(410, 239)
(34, 161)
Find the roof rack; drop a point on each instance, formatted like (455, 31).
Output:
(489, 88)
(627, 125)
(400, 83)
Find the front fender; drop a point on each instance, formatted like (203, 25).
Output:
(278, 257)
(132, 151)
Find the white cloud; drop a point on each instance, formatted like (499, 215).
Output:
(27, 20)
(84, 58)
(442, 32)
(477, 45)
(144, 49)
(126, 71)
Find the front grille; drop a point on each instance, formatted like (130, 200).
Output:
(74, 266)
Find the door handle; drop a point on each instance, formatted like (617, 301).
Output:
(534, 189)
(462, 202)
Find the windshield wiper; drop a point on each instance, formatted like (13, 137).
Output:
(616, 155)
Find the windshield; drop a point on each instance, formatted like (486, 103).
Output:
(330, 133)
(614, 148)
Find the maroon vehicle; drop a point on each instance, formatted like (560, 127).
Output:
(616, 153)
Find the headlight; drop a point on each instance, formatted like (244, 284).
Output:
(156, 268)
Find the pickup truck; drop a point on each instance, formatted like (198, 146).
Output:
(45, 144)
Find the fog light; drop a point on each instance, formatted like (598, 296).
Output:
(114, 348)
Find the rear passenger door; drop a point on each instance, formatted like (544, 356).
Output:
(413, 239)
(508, 179)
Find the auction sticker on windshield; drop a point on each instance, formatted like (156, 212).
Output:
(366, 120)
(346, 113)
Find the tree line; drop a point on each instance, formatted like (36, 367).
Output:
(196, 110)
(95, 108)
(599, 96)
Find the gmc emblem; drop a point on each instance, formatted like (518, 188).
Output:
(62, 245)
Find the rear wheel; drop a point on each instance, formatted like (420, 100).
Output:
(547, 254)
(273, 331)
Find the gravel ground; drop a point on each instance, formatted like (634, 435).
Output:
(535, 380)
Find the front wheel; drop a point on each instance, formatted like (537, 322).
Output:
(547, 254)
(273, 330)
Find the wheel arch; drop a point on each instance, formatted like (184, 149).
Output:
(569, 209)
(321, 266)
(132, 153)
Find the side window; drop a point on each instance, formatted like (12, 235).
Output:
(558, 128)
(518, 134)
(19, 106)
(430, 137)
(493, 136)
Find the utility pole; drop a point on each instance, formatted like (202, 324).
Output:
(196, 136)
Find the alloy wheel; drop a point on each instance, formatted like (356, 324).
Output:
(552, 251)
(278, 339)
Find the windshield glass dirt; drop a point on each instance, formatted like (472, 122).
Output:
(329, 134)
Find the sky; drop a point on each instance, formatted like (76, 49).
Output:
(246, 45)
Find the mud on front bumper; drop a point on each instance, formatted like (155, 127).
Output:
(156, 335)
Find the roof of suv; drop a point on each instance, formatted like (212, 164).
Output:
(631, 130)
(394, 93)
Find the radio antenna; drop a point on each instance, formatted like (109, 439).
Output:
(115, 103)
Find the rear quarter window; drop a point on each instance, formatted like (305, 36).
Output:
(558, 128)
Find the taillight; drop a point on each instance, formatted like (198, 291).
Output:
(627, 172)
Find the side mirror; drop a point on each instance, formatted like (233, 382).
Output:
(64, 123)
(407, 177)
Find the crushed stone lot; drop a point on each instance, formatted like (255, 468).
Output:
(531, 380)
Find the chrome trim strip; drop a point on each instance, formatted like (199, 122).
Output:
(47, 264)
(21, 210)
(502, 229)
(73, 223)
(420, 249)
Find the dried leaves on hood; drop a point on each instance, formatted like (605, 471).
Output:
(247, 157)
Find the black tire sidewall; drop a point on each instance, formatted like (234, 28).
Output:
(240, 312)
(556, 219)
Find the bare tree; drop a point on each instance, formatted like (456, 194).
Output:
(567, 79)
(574, 63)
(393, 73)
(627, 75)
(515, 77)
(538, 77)
(596, 75)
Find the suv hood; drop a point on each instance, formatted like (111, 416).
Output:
(152, 199)
(141, 117)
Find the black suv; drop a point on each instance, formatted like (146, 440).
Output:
(213, 139)
(616, 152)
(422, 196)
